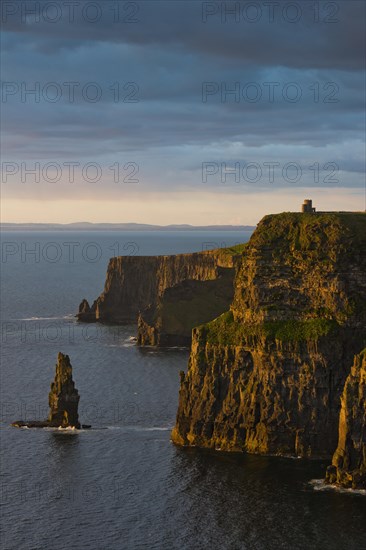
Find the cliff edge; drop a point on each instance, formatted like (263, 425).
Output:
(267, 376)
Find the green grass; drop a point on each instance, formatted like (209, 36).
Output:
(294, 330)
(295, 231)
(236, 249)
(225, 331)
(317, 235)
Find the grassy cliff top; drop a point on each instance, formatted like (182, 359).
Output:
(303, 231)
(318, 247)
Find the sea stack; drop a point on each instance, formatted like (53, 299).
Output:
(86, 313)
(63, 400)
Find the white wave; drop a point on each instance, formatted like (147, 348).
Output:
(70, 316)
(67, 428)
(126, 345)
(320, 485)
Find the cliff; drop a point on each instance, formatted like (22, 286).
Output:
(184, 306)
(348, 467)
(267, 376)
(166, 295)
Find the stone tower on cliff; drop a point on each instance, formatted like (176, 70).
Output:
(308, 206)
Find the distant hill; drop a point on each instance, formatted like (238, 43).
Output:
(87, 226)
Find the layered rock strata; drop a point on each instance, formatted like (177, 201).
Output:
(267, 376)
(63, 398)
(348, 467)
(166, 295)
(184, 306)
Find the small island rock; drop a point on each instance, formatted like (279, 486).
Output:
(63, 400)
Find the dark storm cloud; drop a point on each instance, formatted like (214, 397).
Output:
(305, 43)
(169, 52)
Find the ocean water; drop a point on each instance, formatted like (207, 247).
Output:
(123, 484)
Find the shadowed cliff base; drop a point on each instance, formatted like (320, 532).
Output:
(348, 467)
(165, 295)
(184, 306)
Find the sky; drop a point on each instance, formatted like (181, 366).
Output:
(181, 112)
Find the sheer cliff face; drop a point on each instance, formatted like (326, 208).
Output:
(300, 266)
(184, 306)
(267, 376)
(136, 283)
(349, 461)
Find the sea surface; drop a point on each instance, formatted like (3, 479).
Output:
(123, 484)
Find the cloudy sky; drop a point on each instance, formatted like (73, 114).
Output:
(181, 112)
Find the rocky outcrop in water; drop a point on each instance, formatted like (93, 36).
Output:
(86, 313)
(348, 467)
(63, 400)
(166, 295)
(267, 376)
